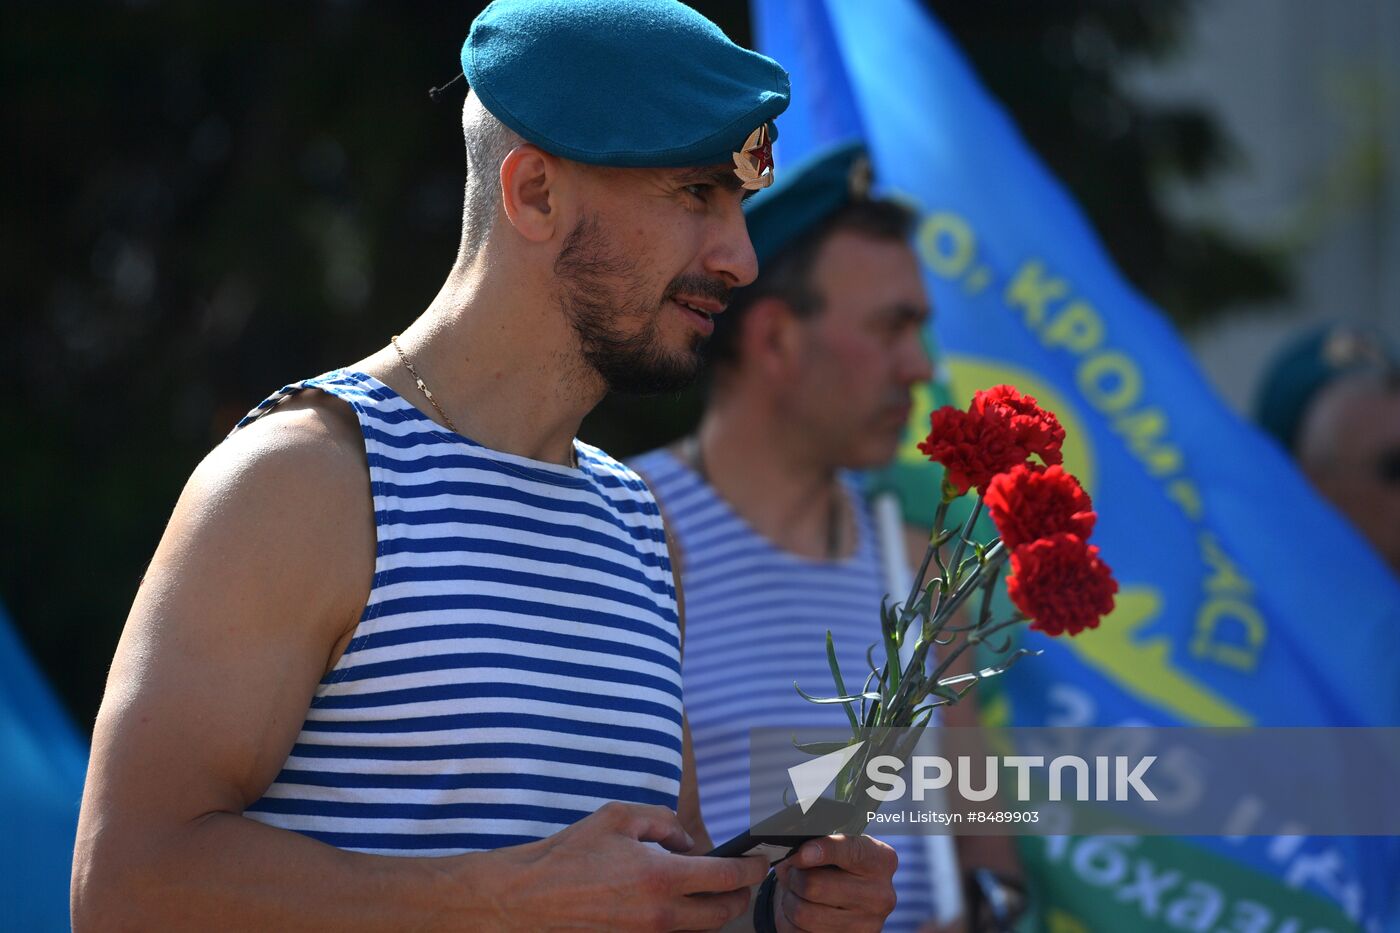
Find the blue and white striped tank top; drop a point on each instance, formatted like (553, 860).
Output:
(517, 664)
(756, 620)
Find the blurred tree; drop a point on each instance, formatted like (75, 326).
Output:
(1060, 67)
(204, 201)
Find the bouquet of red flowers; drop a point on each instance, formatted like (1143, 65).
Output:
(1007, 449)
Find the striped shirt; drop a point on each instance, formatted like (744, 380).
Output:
(756, 620)
(517, 664)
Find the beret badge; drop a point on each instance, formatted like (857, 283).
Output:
(754, 162)
(1345, 348)
(859, 178)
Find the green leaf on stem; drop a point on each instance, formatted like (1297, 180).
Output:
(973, 561)
(892, 666)
(865, 691)
(836, 675)
(826, 701)
(819, 748)
(1001, 668)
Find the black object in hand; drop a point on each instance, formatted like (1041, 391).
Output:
(780, 834)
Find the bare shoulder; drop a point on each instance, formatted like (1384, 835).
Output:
(288, 498)
(310, 440)
(254, 588)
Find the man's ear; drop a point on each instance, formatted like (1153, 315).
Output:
(770, 339)
(529, 178)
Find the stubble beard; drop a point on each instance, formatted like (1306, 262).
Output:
(599, 289)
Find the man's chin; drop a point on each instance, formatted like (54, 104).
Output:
(655, 380)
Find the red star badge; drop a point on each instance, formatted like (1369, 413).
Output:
(754, 162)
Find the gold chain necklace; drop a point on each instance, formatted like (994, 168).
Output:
(428, 394)
(422, 386)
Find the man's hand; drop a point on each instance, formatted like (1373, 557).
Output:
(601, 874)
(836, 883)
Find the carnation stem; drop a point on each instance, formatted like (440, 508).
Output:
(932, 551)
(944, 665)
(966, 533)
(993, 562)
(982, 636)
(986, 610)
(889, 711)
(969, 642)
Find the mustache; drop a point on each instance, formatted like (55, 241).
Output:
(701, 286)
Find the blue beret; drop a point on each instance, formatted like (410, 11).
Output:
(805, 196)
(1307, 365)
(631, 83)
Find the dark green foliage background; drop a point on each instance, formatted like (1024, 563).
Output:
(202, 202)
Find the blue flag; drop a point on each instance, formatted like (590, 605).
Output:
(1246, 600)
(42, 762)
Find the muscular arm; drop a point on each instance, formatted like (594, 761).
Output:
(260, 577)
(250, 593)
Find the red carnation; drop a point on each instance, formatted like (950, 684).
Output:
(1032, 501)
(1060, 583)
(1035, 429)
(972, 447)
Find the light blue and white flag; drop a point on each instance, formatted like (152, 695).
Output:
(1246, 600)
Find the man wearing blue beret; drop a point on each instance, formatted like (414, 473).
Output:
(408, 655)
(811, 373)
(1331, 398)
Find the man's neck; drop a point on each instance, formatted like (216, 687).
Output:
(771, 476)
(502, 363)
